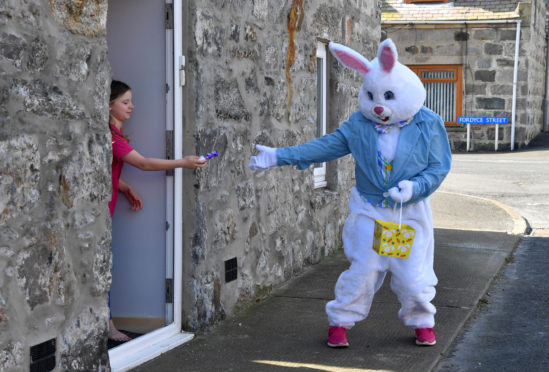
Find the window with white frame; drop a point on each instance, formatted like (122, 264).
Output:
(320, 168)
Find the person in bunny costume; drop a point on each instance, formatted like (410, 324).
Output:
(402, 155)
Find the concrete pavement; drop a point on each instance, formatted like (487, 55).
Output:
(510, 332)
(473, 238)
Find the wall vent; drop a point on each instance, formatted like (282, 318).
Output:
(43, 356)
(231, 270)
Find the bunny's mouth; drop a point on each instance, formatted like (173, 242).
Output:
(381, 113)
(383, 118)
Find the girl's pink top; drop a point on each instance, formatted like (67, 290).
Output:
(120, 148)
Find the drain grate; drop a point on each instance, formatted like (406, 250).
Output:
(43, 356)
(231, 270)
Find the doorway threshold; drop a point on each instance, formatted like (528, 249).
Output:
(147, 347)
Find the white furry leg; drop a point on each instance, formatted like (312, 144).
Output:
(354, 293)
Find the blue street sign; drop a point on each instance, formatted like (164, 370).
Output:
(483, 120)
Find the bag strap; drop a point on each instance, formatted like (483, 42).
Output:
(400, 214)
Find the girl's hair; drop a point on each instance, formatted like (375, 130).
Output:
(117, 89)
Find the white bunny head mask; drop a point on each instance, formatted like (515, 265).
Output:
(390, 91)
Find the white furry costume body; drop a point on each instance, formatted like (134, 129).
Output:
(413, 280)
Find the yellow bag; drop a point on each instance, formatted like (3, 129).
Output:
(393, 239)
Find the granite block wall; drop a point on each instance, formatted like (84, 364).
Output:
(54, 183)
(252, 79)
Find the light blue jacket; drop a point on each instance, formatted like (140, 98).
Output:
(423, 154)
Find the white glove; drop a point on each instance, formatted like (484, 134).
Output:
(265, 159)
(403, 192)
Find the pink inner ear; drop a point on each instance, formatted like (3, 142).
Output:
(352, 62)
(387, 59)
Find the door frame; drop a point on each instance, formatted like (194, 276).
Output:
(152, 344)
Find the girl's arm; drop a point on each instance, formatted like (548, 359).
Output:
(134, 199)
(152, 164)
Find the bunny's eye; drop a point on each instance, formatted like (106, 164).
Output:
(389, 95)
(371, 96)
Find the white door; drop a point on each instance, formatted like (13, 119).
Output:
(146, 54)
(142, 244)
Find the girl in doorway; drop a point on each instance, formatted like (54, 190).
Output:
(120, 108)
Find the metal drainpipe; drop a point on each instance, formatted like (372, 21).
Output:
(515, 74)
(546, 100)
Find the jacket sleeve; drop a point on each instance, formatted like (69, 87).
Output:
(439, 163)
(319, 150)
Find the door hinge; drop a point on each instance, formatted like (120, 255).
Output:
(169, 150)
(169, 290)
(169, 16)
(182, 71)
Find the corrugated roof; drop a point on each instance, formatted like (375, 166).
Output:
(397, 10)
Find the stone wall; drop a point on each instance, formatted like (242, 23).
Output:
(251, 77)
(536, 59)
(54, 182)
(486, 53)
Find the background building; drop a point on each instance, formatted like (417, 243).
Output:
(477, 58)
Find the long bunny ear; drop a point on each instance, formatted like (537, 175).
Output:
(387, 55)
(349, 57)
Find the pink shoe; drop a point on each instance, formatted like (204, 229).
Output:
(425, 337)
(337, 337)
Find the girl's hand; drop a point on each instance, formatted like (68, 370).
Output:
(192, 161)
(134, 199)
